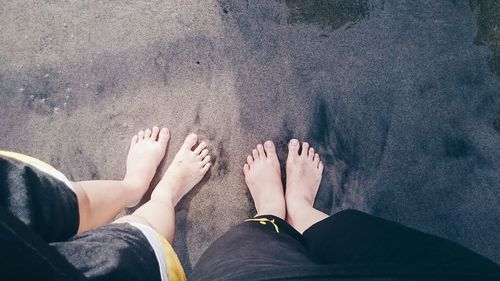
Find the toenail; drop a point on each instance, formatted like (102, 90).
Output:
(294, 142)
(269, 144)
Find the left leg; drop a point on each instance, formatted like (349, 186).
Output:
(263, 178)
(186, 170)
(137, 246)
(99, 201)
(264, 246)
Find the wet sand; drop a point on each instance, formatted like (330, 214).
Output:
(398, 97)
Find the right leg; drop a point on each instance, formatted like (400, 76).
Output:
(351, 237)
(303, 176)
(354, 237)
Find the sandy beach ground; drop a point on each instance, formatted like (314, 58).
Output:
(401, 98)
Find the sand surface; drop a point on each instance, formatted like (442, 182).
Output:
(397, 96)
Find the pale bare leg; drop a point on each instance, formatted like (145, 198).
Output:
(303, 176)
(187, 169)
(101, 200)
(263, 178)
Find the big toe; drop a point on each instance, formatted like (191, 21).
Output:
(190, 141)
(164, 136)
(270, 149)
(293, 148)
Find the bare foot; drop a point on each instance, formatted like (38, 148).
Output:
(147, 149)
(303, 176)
(185, 171)
(263, 178)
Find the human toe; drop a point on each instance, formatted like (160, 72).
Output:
(310, 155)
(246, 168)
(203, 153)
(140, 135)
(260, 149)
(316, 160)
(250, 160)
(270, 149)
(206, 167)
(133, 141)
(205, 160)
(255, 154)
(190, 141)
(164, 136)
(200, 147)
(147, 134)
(154, 133)
(305, 148)
(293, 147)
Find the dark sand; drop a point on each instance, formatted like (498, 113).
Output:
(400, 95)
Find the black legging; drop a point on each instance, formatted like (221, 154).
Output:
(349, 245)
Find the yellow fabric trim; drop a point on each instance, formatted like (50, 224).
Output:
(265, 221)
(28, 159)
(174, 267)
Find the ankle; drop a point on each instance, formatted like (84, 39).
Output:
(280, 213)
(163, 202)
(164, 195)
(133, 189)
(276, 208)
(297, 206)
(134, 183)
(297, 201)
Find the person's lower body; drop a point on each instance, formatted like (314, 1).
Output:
(42, 215)
(262, 248)
(67, 220)
(349, 245)
(310, 245)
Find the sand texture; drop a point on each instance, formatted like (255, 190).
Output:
(398, 97)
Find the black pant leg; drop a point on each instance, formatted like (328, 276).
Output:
(254, 250)
(353, 237)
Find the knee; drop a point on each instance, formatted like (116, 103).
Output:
(135, 218)
(83, 207)
(349, 213)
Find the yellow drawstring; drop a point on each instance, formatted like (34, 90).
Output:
(263, 221)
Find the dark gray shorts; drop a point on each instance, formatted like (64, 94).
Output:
(42, 199)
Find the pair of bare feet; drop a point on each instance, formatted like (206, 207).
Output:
(147, 149)
(303, 176)
(192, 161)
